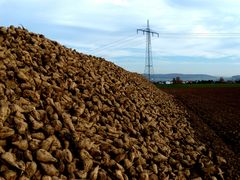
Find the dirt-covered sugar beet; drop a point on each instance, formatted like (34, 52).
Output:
(66, 115)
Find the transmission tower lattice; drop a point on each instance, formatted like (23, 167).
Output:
(148, 54)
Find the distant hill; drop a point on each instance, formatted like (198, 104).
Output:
(236, 78)
(185, 77)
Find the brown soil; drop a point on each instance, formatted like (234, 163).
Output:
(215, 116)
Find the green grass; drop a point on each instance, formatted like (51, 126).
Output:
(225, 85)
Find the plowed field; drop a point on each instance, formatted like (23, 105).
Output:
(215, 116)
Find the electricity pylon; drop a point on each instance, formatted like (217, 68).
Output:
(148, 55)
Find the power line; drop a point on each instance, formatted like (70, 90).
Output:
(133, 40)
(128, 38)
(166, 35)
(135, 46)
(199, 35)
(119, 45)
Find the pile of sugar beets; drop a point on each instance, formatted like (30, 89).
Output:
(66, 115)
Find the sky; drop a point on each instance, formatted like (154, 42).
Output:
(195, 36)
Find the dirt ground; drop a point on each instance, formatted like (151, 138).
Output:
(215, 116)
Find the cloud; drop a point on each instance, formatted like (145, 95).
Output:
(191, 3)
(114, 2)
(2, 1)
